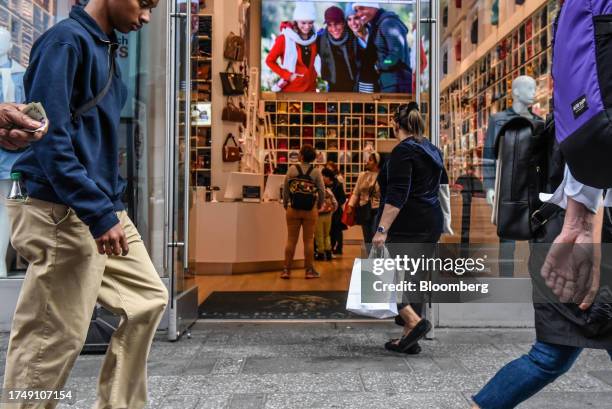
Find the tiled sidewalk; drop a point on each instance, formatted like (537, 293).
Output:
(326, 365)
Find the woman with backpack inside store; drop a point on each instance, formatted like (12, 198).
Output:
(303, 196)
(410, 212)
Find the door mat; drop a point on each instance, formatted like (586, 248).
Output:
(283, 305)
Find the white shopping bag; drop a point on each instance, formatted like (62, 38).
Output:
(379, 310)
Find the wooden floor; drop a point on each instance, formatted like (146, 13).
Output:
(335, 275)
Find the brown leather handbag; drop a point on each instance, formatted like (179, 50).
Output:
(231, 153)
(234, 47)
(233, 112)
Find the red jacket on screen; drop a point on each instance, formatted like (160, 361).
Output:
(307, 83)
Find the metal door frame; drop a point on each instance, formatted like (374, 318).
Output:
(183, 306)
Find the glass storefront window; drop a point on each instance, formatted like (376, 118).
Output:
(477, 84)
(22, 22)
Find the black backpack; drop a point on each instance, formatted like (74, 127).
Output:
(530, 163)
(303, 190)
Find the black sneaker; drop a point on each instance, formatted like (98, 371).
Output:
(328, 256)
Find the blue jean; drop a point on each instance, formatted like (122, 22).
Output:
(524, 377)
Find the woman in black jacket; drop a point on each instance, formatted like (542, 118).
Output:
(410, 211)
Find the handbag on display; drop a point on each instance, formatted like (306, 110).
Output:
(234, 47)
(232, 82)
(233, 112)
(203, 71)
(231, 153)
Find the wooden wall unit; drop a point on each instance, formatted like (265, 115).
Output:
(343, 131)
(201, 92)
(485, 88)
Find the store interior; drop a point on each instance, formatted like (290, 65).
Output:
(236, 223)
(241, 258)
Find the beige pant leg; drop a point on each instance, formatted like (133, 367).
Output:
(57, 298)
(132, 288)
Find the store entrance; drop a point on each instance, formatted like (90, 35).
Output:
(236, 247)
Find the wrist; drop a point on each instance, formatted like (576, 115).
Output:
(578, 217)
(381, 230)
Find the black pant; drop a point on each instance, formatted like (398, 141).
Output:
(401, 244)
(336, 235)
(368, 228)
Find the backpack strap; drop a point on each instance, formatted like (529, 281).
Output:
(310, 169)
(76, 114)
(299, 169)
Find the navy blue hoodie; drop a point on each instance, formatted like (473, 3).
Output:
(76, 163)
(410, 180)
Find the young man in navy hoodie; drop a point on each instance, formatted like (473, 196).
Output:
(73, 229)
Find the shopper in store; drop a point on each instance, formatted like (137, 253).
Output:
(335, 234)
(388, 37)
(365, 200)
(73, 230)
(367, 77)
(333, 166)
(16, 128)
(410, 219)
(325, 220)
(296, 46)
(303, 196)
(337, 47)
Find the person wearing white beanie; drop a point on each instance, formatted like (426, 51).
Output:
(297, 48)
(304, 11)
(373, 4)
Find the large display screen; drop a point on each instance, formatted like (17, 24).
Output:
(337, 46)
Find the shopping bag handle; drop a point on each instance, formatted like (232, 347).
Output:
(380, 252)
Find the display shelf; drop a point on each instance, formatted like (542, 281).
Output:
(342, 131)
(201, 89)
(486, 88)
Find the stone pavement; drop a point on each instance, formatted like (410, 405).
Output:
(338, 365)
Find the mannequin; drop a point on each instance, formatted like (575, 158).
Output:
(523, 97)
(11, 90)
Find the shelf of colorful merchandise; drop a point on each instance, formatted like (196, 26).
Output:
(342, 131)
(485, 89)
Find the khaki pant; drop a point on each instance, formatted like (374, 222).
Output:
(323, 230)
(65, 278)
(296, 219)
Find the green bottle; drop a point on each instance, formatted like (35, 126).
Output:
(17, 191)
